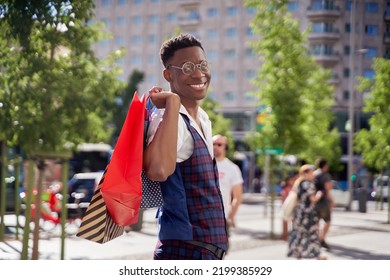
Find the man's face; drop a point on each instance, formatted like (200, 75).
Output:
(219, 145)
(195, 85)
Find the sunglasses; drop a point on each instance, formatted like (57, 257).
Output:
(189, 67)
(218, 144)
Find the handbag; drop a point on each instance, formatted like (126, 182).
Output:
(289, 205)
(122, 185)
(97, 224)
(151, 190)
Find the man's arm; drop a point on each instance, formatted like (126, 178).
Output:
(159, 159)
(328, 188)
(237, 191)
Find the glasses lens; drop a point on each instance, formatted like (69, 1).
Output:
(204, 67)
(188, 68)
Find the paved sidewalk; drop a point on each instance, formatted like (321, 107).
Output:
(353, 235)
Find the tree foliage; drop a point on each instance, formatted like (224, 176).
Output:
(374, 143)
(292, 86)
(54, 90)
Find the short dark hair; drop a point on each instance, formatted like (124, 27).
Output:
(321, 163)
(181, 41)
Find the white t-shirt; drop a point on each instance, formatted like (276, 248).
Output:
(185, 142)
(229, 175)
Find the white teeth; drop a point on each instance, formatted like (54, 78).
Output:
(197, 86)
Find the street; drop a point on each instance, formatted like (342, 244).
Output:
(353, 236)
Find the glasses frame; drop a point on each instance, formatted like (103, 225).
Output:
(203, 64)
(219, 144)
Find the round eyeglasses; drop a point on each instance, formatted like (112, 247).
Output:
(189, 67)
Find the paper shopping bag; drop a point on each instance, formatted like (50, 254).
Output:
(97, 224)
(122, 186)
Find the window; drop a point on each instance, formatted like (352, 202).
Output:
(135, 60)
(171, 17)
(152, 38)
(212, 34)
(369, 73)
(136, 39)
(231, 32)
(137, 20)
(230, 75)
(121, 2)
(346, 72)
(371, 30)
(154, 19)
(212, 55)
(347, 50)
(250, 74)
(212, 12)
(151, 58)
(230, 53)
(249, 52)
(151, 79)
(119, 41)
(249, 31)
(120, 21)
(105, 3)
(372, 7)
(371, 53)
(251, 11)
(347, 27)
(345, 95)
(231, 11)
(228, 96)
(138, 1)
(293, 6)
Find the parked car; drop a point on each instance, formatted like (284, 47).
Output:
(340, 196)
(376, 188)
(83, 185)
(81, 188)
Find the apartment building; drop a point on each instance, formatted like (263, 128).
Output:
(223, 26)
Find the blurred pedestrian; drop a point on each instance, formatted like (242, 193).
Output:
(179, 155)
(304, 240)
(230, 180)
(323, 183)
(287, 185)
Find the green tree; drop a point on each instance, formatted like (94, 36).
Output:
(291, 85)
(374, 143)
(59, 91)
(54, 92)
(124, 99)
(220, 124)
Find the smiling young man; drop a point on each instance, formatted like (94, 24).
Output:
(179, 154)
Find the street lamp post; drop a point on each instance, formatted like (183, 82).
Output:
(351, 103)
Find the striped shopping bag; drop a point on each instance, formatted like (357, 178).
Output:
(97, 224)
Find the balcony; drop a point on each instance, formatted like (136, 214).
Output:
(335, 79)
(323, 11)
(327, 59)
(387, 14)
(189, 20)
(331, 34)
(386, 38)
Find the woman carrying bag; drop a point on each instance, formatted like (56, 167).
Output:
(304, 240)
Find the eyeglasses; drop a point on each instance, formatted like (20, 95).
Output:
(189, 67)
(218, 144)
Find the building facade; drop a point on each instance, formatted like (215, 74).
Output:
(140, 26)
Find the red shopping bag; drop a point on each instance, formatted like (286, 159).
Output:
(122, 185)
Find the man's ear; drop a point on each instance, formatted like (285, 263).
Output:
(167, 75)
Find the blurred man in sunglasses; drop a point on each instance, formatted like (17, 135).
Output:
(230, 180)
(179, 154)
